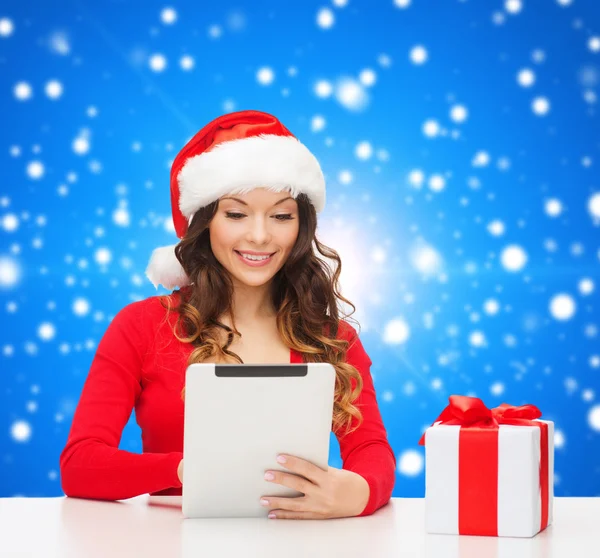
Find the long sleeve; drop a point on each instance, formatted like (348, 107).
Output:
(366, 451)
(91, 464)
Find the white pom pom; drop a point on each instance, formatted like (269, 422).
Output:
(164, 268)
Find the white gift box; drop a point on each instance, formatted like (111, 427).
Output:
(519, 494)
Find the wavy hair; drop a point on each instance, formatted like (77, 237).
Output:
(305, 294)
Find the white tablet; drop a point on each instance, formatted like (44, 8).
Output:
(238, 418)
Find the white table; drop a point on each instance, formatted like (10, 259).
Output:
(154, 526)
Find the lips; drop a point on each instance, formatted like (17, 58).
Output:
(261, 255)
(255, 263)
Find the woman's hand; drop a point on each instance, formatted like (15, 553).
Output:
(180, 471)
(327, 494)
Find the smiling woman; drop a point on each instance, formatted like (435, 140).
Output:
(292, 289)
(245, 195)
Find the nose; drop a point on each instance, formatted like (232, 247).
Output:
(258, 232)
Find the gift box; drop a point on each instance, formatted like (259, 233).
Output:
(488, 471)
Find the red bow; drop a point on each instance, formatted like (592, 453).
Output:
(471, 411)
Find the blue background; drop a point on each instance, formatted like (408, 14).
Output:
(58, 227)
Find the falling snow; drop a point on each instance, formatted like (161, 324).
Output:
(467, 222)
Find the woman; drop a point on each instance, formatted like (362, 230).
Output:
(245, 194)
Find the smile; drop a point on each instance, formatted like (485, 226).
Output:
(254, 261)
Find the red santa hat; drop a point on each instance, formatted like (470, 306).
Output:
(233, 154)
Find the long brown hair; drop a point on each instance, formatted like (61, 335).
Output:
(304, 292)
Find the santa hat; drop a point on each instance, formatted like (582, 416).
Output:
(233, 154)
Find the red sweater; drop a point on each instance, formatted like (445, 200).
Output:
(139, 363)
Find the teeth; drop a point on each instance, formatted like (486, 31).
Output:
(254, 258)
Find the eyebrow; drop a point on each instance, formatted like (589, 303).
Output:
(244, 203)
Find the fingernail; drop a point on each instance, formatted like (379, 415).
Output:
(272, 516)
(281, 459)
(269, 476)
(264, 502)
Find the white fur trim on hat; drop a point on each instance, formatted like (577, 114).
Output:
(164, 267)
(274, 162)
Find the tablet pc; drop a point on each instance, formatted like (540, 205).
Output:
(237, 419)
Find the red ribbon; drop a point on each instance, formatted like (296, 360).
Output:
(478, 459)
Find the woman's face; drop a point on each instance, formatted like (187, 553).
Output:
(259, 221)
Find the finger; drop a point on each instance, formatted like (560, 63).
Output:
(283, 514)
(292, 481)
(297, 504)
(303, 467)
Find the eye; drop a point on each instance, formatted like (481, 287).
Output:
(238, 216)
